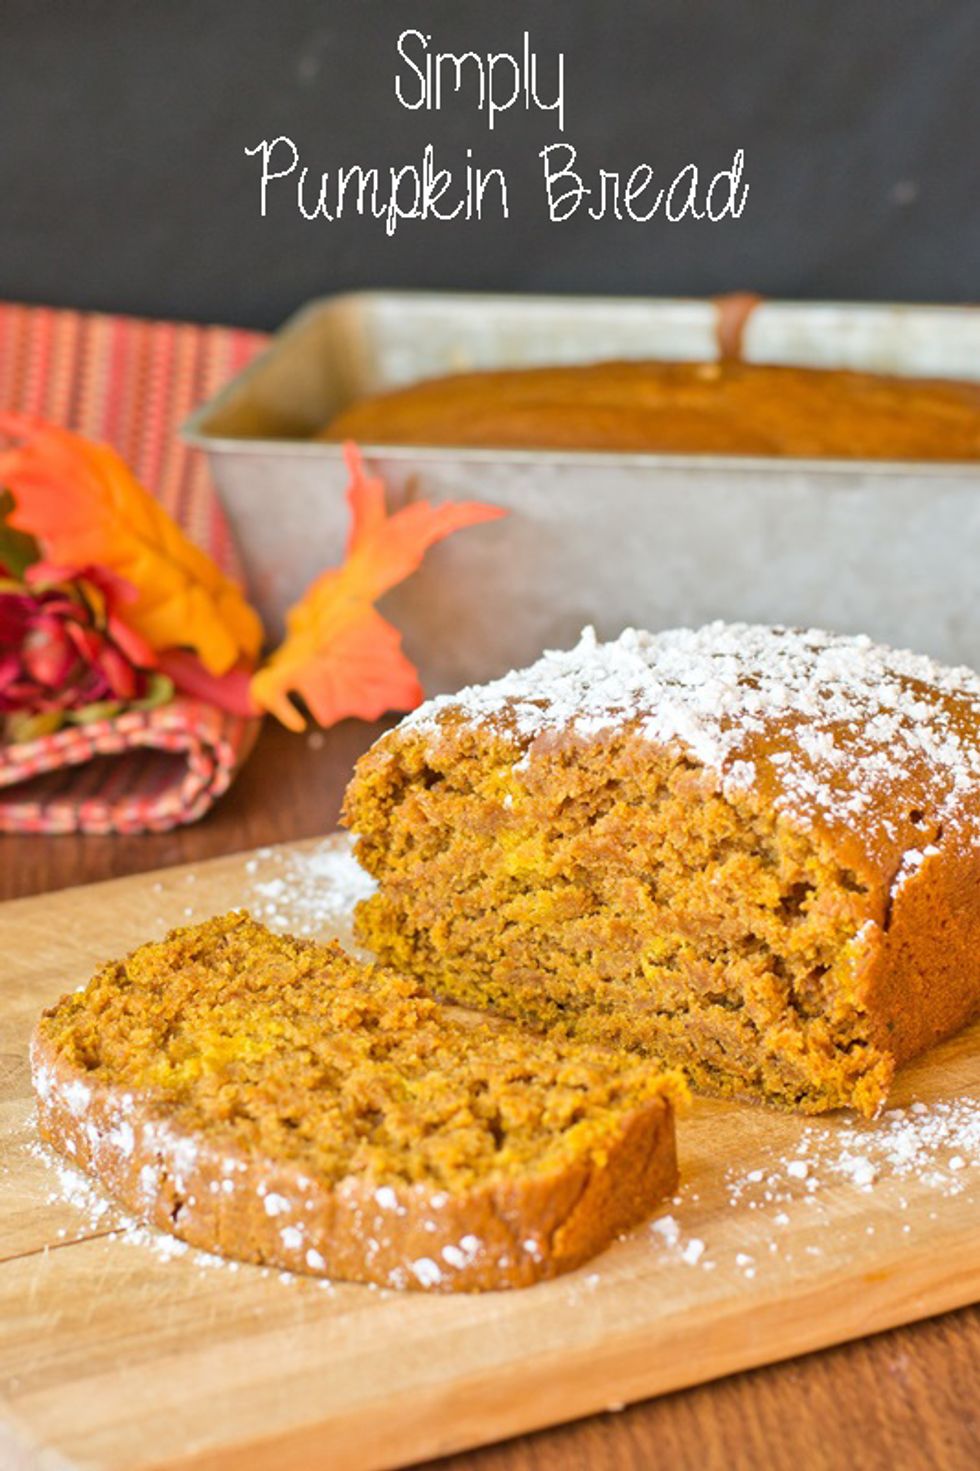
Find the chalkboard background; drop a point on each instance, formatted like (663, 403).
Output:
(125, 184)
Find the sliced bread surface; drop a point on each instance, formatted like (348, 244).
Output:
(274, 1100)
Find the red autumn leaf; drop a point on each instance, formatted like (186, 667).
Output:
(229, 691)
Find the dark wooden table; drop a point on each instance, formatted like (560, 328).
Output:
(901, 1401)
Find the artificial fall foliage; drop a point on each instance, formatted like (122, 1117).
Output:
(67, 654)
(78, 503)
(86, 508)
(340, 656)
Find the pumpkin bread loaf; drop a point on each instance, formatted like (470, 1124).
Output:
(725, 408)
(751, 853)
(274, 1100)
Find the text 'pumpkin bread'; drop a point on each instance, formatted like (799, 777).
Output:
(273, 1100)
(749, 852)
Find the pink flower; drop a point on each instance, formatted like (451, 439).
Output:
(65, 647)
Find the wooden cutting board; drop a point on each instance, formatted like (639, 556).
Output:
(788, 1235)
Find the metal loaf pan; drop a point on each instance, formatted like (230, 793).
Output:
(609, 539)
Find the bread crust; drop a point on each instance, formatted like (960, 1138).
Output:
(252, 1208)
(922, 981)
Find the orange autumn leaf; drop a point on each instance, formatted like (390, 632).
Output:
(339, 655)
(86, 507)
(361, 672)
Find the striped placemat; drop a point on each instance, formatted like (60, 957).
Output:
(130, 383)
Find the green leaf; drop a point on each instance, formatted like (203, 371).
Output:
(17, 549)
(21, 726)
(159, 689)
(97, 710)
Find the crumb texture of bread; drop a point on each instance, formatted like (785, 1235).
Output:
(274, 1100)
(722, 408)
(750, 853)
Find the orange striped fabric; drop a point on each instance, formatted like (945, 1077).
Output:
(130, 383)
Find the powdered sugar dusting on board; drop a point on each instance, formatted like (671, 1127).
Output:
(308, 893)
(805, 1209)
(787, 1204)
(856, 717)
(937, 1145)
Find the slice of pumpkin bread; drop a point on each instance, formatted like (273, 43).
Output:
(749, 852)
(274, 1100)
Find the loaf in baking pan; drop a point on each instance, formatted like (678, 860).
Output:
(718, 408)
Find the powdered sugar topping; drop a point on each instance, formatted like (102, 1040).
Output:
(856, 717)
